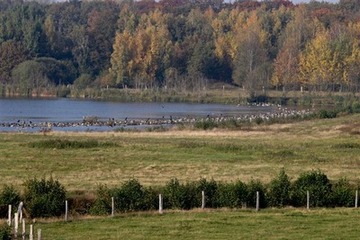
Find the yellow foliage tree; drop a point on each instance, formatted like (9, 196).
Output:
(140, 58)
(316, 65)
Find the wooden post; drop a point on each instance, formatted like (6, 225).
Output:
(23, 229)
(307, 200)
(112, 206)
(66, 211)
(16, 224)
(160, 204)
(356, 198)
(31, 233)
(202, 199)
(257, 201)
(9, 216)
(39, 234)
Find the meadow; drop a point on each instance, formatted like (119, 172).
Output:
(220, 224)
(82, 161)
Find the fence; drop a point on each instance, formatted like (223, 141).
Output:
(19, 220)
(15, 223)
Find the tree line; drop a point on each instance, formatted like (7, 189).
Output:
(178, 44)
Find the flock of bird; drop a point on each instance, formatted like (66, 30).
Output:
(93, 121)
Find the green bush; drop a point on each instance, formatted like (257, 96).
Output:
(173, 193)
(210, 189)
(226, 195)
(151, 198)
(241, 192)
(192, 198)
(102, 204)
(179, 196)
(319, 188)
(231, 194)
(342, 194)
(5, 232)
(279, 190)
(44, 198)
(9, 195)
(130, 197)
(327, 114)
(253, 187)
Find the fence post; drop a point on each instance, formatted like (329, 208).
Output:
(202, 199)
(9, 216)
(112, 206)
(31, 233)
(160, 204)
(16, 224)
(20, 208)
(356, 198)
(257, 201)
(307, 200)
(39, 234)
(66, 210)
(23, 229)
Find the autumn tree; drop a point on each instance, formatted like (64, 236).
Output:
(292, 42)
(251, 65)
(127, 19)
(101, 33)
(12, 53)
(225, 26)
(122, 60)
(140, 59)
(200, 44)
(352, 61)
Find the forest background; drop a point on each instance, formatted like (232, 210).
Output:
(54, 48)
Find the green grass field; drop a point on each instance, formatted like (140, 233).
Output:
(331, 145)
(81, 161)
(221, 224)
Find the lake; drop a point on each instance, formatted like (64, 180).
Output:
(70, 114)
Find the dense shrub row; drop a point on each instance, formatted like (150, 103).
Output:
(43, 198)
(280, 192)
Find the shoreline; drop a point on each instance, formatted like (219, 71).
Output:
(93, 123)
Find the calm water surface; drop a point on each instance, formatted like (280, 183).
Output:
(72, 110)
